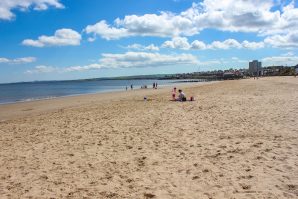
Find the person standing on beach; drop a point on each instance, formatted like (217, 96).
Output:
(126, 88)
(153, 85)
(131, 87)
(173, 95)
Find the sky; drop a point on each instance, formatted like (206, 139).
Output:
(67, 39)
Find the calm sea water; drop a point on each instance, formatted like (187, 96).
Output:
(20, 92)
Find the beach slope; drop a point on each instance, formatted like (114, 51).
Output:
(238, 139)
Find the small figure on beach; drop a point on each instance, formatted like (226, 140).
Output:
(131, 86)
(153, 86)
(182, 97)
(174, 96)
(126, 88)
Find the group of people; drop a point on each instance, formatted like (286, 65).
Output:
(131, 87)
(181, 95)
(143, 86)
(154, 85)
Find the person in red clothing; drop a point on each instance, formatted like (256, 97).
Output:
(174, 95)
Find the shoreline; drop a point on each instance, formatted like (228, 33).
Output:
(176, 83)
(23, 108)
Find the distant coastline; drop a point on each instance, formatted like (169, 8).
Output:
(40, 90)
(215, 75)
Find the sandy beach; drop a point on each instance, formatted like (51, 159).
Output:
(238, 139)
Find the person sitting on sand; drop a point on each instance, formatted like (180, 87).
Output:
(182, 97)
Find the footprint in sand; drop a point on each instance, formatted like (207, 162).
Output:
(245, 186)
(149, 195)
(28, 109)
(292, 187)
(205, 170)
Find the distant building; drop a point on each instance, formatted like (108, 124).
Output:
(271, 70)
(255, 68)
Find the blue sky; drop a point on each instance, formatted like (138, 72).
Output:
(64, 39)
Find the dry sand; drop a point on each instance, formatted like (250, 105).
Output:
(239, 139)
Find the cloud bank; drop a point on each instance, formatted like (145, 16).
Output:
(182, 43)
(125, 60)
(7, 6)
(289, 60)
(150, 47)
(42, 69)
(257, 16)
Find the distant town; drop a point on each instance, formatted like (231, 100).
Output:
(255, 70)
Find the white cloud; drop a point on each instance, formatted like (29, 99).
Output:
(227, 44)
(289, 40)
(135, 46)
(177, 42)
(182, 43)
(198, 45)
(62, 37)
(22, 60)
(150, 47)
(280, 60)
(244, 16)
(7, 6)
(143, 59)
(42, 69)
(106, 32)
(165, 24)
(252, 45)
(289, 54)
(91, 39)
(4, 60)
(126, 60)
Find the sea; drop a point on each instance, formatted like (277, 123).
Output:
(31, 91)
